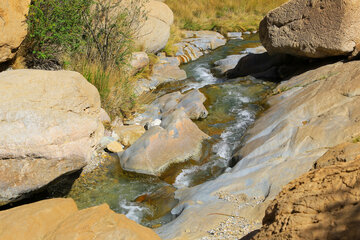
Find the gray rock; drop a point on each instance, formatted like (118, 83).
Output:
(312, 112)
(198, 43)
(177, 139)
(230, 62)
(104, 116)
(191, 103)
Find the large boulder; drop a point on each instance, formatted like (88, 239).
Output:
(314, 29)
(100, 223)
(49, 125)
(177, 139)
(13, 27)
(155, 31)
(321, 204)
(18, 223)
(59, 219)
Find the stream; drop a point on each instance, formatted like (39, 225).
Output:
(233, 105)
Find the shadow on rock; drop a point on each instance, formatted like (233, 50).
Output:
(276, 67)
(60, 187)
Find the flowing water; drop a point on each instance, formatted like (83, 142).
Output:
(233, 106)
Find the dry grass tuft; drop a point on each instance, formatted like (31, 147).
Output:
(222, 16)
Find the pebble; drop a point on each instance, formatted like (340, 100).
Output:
(115, 147)
(235, 227)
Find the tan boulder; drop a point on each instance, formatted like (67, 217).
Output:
(321, 204)
(59, 219)
(115, 147)
(344, 152)
(177, 139)
(313, 29)
(49, 124)
(155, 31)
(100, 223)
(129, 134)
(33, 221)
(13, 27)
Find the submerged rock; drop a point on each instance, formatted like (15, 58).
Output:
(177, 139)
(60, 219)
(311, 112)
(49, 124)
(13, 26)
(314, 29)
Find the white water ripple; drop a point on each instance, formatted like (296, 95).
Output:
(133, 211)
(203, 77)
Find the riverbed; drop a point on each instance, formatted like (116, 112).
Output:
(233, 106)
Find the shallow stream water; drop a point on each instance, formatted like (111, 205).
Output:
(233, 106)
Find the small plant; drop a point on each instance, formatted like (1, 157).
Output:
(175, 37)
(356, 139)
(98, 77)
(109, 30)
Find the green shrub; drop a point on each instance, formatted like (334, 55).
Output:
(55, 27)
(93, 37)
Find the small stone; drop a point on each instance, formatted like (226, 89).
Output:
(115, 147)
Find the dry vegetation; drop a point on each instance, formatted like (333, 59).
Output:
(222, 16)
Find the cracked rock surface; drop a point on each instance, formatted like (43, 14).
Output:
(314, 29)
(322, 204)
